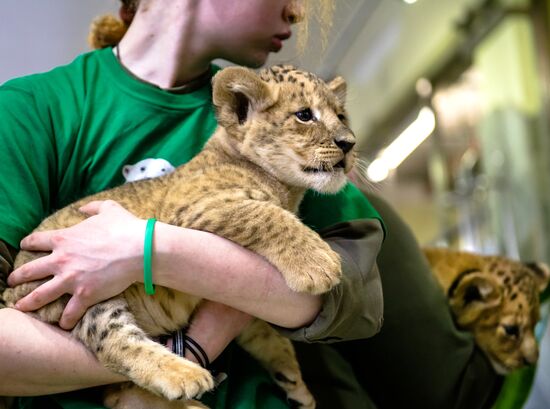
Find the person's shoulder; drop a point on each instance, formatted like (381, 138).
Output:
(58, 78)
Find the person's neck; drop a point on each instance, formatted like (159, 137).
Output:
(161, 46)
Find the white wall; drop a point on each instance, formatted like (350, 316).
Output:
(37, 35)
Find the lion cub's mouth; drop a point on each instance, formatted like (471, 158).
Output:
(326, 168)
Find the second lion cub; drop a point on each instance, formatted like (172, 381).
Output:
(280, 132)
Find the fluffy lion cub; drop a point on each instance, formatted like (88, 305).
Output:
(495, 298)
(280, 132)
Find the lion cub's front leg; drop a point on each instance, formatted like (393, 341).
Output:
(108, 329)
(307, 263)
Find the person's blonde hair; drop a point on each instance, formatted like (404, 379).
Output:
(108, 30)
(320, 11)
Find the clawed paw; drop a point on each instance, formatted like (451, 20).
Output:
(316, 273)
(180, 380)
(298, 395)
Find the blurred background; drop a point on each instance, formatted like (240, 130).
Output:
(448, 98)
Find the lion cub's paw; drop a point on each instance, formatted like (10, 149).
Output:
(296, 390)
(316, 272)
(179, 379)
(301, 400)
(8, 298)
(12, 295)
(300, 397)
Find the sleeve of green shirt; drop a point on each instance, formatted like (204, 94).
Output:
(352, 227)
(28, 159)
(354, 308)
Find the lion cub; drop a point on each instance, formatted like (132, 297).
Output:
(280, 132)
(495, 298)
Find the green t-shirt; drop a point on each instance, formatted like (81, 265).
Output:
(69, 133)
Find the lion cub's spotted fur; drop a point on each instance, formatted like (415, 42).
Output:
(281, 132)
(497, 299)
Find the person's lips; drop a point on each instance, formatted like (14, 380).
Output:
(284, 36)
(277, 40)
(276, 44)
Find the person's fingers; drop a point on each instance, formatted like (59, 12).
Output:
(91, 208)
(97, 206)
(36, 269)
(38, 241)
(44, 294)
(74, 310)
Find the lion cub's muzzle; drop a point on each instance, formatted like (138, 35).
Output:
(346, 145)
(338, 156)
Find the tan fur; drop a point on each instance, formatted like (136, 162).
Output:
(495, 298)
(246, 186)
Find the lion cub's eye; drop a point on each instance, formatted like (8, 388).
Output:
(305, 115)
(511, 330)
(342, 117)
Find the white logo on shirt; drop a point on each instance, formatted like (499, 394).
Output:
(147, 169)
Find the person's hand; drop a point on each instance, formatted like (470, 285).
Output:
(93, 260)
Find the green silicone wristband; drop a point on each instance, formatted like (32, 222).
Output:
(147, 257)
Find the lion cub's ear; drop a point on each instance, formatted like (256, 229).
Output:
(339, 87)
(541, 273)
(471, 294)
(236, 92)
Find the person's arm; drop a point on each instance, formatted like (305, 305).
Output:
(188, 260)
(215, 325)
(38, 358)
(229, 274)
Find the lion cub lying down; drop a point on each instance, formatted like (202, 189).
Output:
(280, 133)
(495, 298)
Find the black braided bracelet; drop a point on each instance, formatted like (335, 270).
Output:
(194, 347)
(182, 342)
(178, 343)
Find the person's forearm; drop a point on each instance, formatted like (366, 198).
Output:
(214, 326)
(229, 274)
(191, 261)
(38, 359)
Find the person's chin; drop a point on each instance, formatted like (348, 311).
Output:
(253, 60)
(257, 64)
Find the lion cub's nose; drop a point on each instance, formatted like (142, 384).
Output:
(345, 145)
